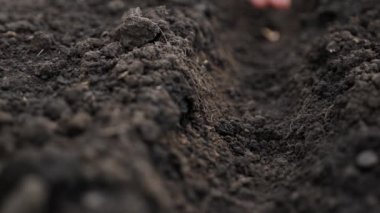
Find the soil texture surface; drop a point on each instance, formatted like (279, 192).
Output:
(149, 106)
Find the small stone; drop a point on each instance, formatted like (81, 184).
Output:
(271, 35)
(135, 31)
(367, 159)
(29, 197)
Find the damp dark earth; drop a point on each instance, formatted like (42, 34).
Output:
(149, 106)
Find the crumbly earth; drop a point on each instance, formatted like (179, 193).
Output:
(189, 106)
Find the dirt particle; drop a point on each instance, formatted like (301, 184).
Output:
(376, 61)
(112, 171)
(149, 131)
(20, 26)
(332, 47)
(42, 40)
(132, 12)
(78, 123)
(125, 69)
(367, 159)
(92, 55)
(135, 31)
(372, 200)
(121, 66)
(116, 5)
(86, 45)
(112, 50)
(11, 34)
(75, 93)
(376, 80)
(93, 200)
(258, 120)
(45, 70)
(4, 17)
(37, 130)
(350, 172)
(5, 118)
(55, 108)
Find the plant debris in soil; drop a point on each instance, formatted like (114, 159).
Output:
(189, 106)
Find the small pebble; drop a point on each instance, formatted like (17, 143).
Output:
(367, 159)
(271, 35)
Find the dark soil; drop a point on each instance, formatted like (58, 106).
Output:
(189, 106)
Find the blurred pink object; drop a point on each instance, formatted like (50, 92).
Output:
(278, 4)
